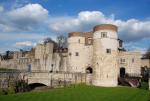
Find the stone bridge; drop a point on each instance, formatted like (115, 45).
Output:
(52, 79)
(45, 78)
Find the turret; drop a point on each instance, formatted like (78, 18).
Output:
(76, 42)
(105, 50)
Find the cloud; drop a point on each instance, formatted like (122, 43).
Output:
(130, 30)
(25, 44)
(134, 30)
(83, 22)
(1, 9)
(135, 46)
(27, 22)
(34, 18)
(30, 12)
(18, 36)
(26, 18)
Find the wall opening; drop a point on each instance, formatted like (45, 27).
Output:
(89, 70)
(34, 86)
(122, 72)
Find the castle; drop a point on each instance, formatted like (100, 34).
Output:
(98, 53)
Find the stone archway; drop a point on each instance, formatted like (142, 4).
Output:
(122, 72)
(89, 70)
(32, 86)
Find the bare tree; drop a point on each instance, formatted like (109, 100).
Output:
(61, 41)
(48, 39)
(147, 54)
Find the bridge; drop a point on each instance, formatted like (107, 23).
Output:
(51, 79)
(54, 79)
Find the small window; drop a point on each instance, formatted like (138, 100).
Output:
(77, 54)
(78, 40)
(122, 60)
(70, 54)
(103, 34)
(108, 50)
(89, 41)
(132, 60)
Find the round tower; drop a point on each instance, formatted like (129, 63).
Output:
(76, 42)
(105, 50)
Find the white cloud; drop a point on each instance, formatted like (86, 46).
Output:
(25, 43)
(31, 19)
(31, 11)
(24, 36)
(130, 30)
(135, 46)
(134, 30)
(84, 21)
(1, 9)
(26, 18)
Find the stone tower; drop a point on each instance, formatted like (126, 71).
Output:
(105, 50)
(80, 51)
(76, 43)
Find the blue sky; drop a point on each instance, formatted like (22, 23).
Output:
(26, 22)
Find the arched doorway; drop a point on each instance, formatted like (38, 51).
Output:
(89, 70)
(122, 72)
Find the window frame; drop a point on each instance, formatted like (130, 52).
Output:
(103, 34)
(76, 53)
(108, 51)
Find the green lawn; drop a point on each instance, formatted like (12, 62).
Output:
(82, 93)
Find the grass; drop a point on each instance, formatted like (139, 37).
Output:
(82, 93)
(144, 85)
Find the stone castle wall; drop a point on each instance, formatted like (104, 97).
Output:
(131, 61)
(145, 63)
(44, 60)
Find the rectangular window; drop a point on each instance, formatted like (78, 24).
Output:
(69, 54)
(77, 54)
(108, 50)
(122, 60)
(103, 34)
(78, 40)
(89, 41)
(132, 60)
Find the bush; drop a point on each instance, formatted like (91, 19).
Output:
(21, 86)
(3, 91)
(144, 85)
(11, 90)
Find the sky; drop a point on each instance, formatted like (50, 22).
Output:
(24, 23)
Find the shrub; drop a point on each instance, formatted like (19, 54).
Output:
(144, 85)
(11, 90)
(3, 91)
